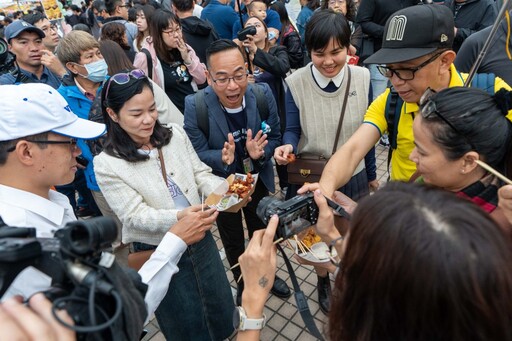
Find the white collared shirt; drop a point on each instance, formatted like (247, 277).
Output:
(324, 81)
(25, 209)
(19, 208)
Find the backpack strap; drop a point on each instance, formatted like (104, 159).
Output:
(203, 122)
(392, 113)
(484, 81)
(149, 61)
(261, 102)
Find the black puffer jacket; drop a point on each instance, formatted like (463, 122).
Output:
(471, 16)
(199, 34)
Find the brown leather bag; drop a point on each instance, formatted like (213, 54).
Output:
(137, 259)
(309, 168)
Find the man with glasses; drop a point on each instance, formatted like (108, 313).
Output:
(239, 140)
(416, 54)
(38, 150)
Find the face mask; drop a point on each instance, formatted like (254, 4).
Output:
(96, 71)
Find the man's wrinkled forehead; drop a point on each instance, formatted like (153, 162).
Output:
(226, 62)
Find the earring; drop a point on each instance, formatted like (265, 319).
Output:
(463, 171)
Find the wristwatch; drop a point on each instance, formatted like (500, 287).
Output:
(241, 322)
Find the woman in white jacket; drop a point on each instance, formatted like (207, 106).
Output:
(139, 154)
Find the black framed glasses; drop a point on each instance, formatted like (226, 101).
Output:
(428, 108)
(123, 78)
(406, 74)
(71, 143)
(224, 81)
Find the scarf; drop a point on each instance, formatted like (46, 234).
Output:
(484, 192)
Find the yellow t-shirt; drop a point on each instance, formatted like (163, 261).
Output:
(401, 167)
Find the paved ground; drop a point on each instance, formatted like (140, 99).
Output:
(283, 320)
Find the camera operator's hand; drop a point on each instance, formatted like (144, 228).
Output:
(281, 154)
(258, 266)
(36, 322)
(250, 46)
(325, 224)
(256, 146)
(505, 201)
(228, 152)
(193, 226)
(50, 60)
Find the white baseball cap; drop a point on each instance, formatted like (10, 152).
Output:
(29, 109)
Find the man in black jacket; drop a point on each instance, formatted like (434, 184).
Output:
(198, 33)
(471, 16)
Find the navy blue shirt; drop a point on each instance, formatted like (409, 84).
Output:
(237, 123)
(47, 78)
(221, 16)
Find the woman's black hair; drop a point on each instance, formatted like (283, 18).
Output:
(161, 21)
(478, 119)
(148, 11)
(313, 4)
(422, 264)
(118, 143)
(322, 27)
(280, 8)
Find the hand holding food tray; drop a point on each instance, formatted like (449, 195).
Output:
(234, 195)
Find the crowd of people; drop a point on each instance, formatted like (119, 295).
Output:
(138, 110)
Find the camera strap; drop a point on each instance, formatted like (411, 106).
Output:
(300, 298)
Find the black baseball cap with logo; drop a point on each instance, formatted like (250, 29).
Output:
(414, 32)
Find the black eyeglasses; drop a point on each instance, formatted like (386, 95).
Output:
(123, 78)
(428, 108)
(224, 81)
(406, 74)
(71, 143)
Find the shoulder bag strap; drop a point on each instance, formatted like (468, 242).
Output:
(344, 106)
(162, 165)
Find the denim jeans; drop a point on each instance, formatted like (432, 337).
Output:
(378, 81)
(198, 305)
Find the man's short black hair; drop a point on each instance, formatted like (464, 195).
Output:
(219, 46)
(111, 5)
(183, 5)
(99, 5)
(33, 18)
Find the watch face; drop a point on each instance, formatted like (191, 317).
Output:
(236, 318)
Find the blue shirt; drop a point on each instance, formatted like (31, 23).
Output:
(47, 78)
(302, 19)
(221, 16)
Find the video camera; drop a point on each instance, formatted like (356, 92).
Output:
(295, 215)
(8, 63)
(243, 33)
(105, 301)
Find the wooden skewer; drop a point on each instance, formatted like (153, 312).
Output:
(238, 264)
(299, 245)
(493, 171)
(311, 251)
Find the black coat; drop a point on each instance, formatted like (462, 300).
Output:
(199, 34)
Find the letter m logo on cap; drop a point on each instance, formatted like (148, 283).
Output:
(396, 28)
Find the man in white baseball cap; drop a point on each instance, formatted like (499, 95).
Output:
(38, 150)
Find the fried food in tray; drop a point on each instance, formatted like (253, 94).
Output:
(311, 238)
(241, 187)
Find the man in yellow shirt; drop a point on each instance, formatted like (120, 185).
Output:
(416, 54)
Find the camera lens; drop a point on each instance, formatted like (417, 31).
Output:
(89, 236)
(265, 206)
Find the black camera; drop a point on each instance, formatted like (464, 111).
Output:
(249, 30)
(105, 301)
(7, 58)
(295, 215)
